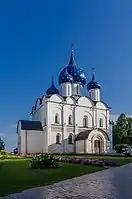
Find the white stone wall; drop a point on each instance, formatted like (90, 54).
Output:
(32, 142)
(80, 146)
(102, 113)
(35, 142)
(21, 138)
(65, 108)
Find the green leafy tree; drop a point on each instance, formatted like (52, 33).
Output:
(2, 145)
(122, 130)
(129, 133)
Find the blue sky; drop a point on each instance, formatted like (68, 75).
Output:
(35, 43)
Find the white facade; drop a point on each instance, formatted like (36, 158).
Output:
(71, 123)
(64, 118)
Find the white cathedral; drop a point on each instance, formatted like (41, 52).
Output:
(65, 121)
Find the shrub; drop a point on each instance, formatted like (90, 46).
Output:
(119, 147)
(3, 152)
(44, 161)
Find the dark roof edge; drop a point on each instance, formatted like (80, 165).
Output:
(88, 132)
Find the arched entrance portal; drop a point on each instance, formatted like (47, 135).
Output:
(98, 145)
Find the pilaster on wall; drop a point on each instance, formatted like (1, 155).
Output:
(48, 129)
(23, 142)
(76, 129)
(107, 119)
(75, 134)
(94, 120)
(64, 130)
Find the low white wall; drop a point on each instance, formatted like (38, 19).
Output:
(80, 146)
(35, 142)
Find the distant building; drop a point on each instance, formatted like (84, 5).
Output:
(65, 121)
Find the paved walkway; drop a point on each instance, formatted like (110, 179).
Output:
(114, 183)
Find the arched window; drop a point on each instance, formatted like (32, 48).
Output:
(45, 121)
(56, 118)
(61, 90)
(77, 89)
(85, 121)
(70, 139)
(68, 90)
(101, 122)
(90, 94)
(58, 139)
(70, 120)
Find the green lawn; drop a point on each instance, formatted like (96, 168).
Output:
(119, 160)
(16, 176)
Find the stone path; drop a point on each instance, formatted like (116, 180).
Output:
(113, 183)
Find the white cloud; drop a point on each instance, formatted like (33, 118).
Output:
(13, 126)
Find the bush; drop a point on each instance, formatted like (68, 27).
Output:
(3, 152)
(44, 161)
(119, 147)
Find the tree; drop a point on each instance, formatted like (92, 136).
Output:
(2, 145)
(122, 130)
(129, 133)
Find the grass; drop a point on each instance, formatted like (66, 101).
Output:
(119, 160)
(16, 176)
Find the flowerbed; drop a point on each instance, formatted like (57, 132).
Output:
(87, 161)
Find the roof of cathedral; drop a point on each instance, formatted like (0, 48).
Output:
(75, 72)
(52, 90)
(74, 97)
(31, 125)
(84, 134)
(93, 83)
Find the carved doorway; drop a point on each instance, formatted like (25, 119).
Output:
(98, 146)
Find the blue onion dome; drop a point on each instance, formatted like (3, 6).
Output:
(77, 73)
(52, 90)
(65, 77)
(93, 84)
